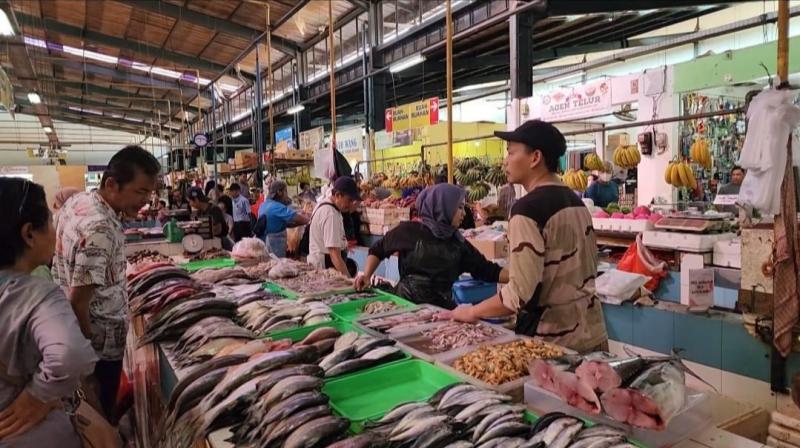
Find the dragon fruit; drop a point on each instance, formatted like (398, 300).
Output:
(618, 215)
(600, 214)
(641, 210)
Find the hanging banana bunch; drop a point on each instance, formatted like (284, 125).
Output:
(700, 153)
(496, 176)
(575, 180)
(627, 157)
(478, 191)
(679, 174)
(592, 162)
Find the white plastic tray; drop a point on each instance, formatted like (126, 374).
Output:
(695, 417)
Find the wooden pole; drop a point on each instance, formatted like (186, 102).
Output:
(449, 56)
(331, 60)
(783, 41)
(270, 92)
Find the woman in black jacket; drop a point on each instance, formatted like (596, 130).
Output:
(432, 252)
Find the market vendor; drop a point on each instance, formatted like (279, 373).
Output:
(433, 253)
(327, 241)
(177, 201)
(200, 203)
(278, 217)
(553, 261)
(603, 191)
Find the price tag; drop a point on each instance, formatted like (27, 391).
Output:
(701, 287)
(726, 199)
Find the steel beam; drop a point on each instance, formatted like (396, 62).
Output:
(361, 4)
(557, 8)
(126, 44)
(289, 14)
(210, 22)
(520, 36)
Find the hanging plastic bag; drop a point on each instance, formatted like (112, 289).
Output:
(639, 260)
(620, 285)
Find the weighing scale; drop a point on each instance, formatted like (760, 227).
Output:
(692, 223)
(688, 232)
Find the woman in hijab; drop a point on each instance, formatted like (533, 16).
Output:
(432, 252)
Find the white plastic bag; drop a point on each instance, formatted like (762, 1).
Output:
(250, 250)
(619, 285)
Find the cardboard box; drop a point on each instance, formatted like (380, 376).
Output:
(300, 154)
(615, 140)
(246, 159)
(491, 249)
(222, 168)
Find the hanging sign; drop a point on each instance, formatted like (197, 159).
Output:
(312, 139)
(412, 115)
(350, 141)
(583, 101)
(383, 140)
(13, 170)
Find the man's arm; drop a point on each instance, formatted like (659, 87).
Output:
(80, 297)
(298, 220)
(338, 263)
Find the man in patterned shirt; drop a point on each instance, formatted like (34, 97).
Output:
(89, 261)
(553, 261)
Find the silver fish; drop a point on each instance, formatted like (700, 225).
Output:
(600, 430)
(456, 390)
(598, 442)
(290, 386)
(471, 397)
(311, 433)
(503, 442)
(319, 334)
(473, 408)
(346, 340)
(363, 440)
(381, 353)
(565, 437)
(548, 434)
(400, 411)
(293, 404)
(321, 319)
(487, 422)
(280, 430)
(351, 365)
(506, 429)
(420, 426)
(338, 356)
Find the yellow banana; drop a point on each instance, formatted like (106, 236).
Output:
(684, 173)
(675, 178)
(668, 172)
(692, 181)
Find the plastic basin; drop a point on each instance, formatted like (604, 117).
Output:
(350, 311)
(370, 394)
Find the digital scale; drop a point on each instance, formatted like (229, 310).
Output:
(688, 232)
(692, 223)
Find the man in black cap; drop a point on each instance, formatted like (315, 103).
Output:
(327, 243)
(200, 203)
(553, 261)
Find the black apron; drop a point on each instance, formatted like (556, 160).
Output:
(427, 273)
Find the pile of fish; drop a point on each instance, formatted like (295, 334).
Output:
(500, 363)
(153, 287)
(314, 282)
(260, 270)
(378, 307)
(147, 256)
(267, 316)
(401, 322)
(453, 335)
(639, 391)
(277, 392)
(210, 254)
(223, 276)
(208, 338)
(350, 352)
(464, 416)
(333, 299)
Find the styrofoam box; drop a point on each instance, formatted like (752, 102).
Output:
(695, 417)
(728, 253)
(622, 225)
(380, 216)
(689, 242)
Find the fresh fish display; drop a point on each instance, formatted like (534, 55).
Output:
(500, 363)
(268, 316)
(210, 254)
(452, 335)
(401, 322)
(378, 307)
(315, 282)
(210, 275)
(260, 270)
(147, 256)
(651, 399)
(170, 324)
(332, 299)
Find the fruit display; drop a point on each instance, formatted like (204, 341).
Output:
(627, 156)
(478, 191)
(496, 176)
(679, 174)
(592, 162)
(575, 180)
(298, 178)
(700, 153)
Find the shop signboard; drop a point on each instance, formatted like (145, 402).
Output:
(412, 116)
(701, 287)
(312, 139)
(582, 101)
(350, 142)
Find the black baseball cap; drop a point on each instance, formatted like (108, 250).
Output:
(197, 193)
(347, 186)
(538, 134)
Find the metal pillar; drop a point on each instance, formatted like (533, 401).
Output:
(520, 29)
(214, 130)
(449, 57)
(258, 122)
(332, 64)
(378, 82)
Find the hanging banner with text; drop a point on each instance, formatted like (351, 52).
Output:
(583, 101)
(350, 142)
(413, 115)
(312, 139)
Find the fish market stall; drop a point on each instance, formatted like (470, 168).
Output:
(221, 358)
(164, 247)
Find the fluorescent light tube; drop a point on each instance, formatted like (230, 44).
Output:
(34, 98)
(406, 63)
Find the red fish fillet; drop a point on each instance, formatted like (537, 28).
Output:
(543, 375)
(600, 376)
(576, 393)
(632, 407)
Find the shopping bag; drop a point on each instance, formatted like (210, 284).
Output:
(639, 260)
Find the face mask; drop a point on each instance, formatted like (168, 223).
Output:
(605, 177)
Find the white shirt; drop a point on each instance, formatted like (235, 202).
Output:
(241, 209)
(326, 231)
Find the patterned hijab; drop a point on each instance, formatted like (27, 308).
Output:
(437, 205)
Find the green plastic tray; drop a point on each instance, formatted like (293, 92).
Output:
(371, 393)
(350, 311)
(214, 263)
(273, 287)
